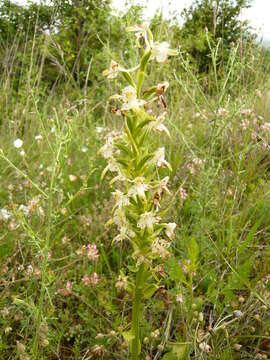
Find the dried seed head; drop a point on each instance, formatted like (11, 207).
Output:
(20, 348)
(205, 347)
(98, 350)
(237, 347)
(146, 340)
(237, 313)
(241, 299)
(155, 334)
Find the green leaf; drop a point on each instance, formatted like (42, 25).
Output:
(128, 78)
(178, 352)
(149, 291)
(128, 336)
(193, 251)
(244, 244)
(174, 270)
(145, 60)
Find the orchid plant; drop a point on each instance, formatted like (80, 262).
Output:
(138, 184)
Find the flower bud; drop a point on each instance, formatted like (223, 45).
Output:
(237, 347)
(146, 340)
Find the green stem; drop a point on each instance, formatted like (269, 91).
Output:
(136, 313)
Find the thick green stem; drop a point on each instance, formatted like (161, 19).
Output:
(136, 313)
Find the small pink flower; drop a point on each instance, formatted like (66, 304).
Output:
(94, 279)
(69, 286)
(254, 135)
(92, 252)
(244, 124)
(265, 145)
(191, 168)
(86, 279)
(183, 193)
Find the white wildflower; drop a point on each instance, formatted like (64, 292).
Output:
(159, 158)
(119, 219)
(113, 70)
(120, 199)
(141, 31)
(160, 248)
(161, 51)
(38, 138)
(179, 298)
(129, 98)
(162, 88)
(169, 230)
(5, 215)
(158, 124)
(125, 233)
(147, 220)
(72, 178)
(121, 282)
(18, 143)
(139, 188)
(99, 129)
(24, 209)
(162, 185)
(107, 151)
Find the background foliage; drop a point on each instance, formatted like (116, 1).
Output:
(52, 96)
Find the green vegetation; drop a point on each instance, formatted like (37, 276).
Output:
(63, 285)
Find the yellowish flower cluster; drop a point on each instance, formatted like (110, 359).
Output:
(135, 163)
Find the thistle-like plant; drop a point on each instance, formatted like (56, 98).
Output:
(138, 184)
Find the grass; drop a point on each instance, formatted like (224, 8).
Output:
(214, 299)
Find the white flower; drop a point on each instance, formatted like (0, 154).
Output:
(147, 220)
(162, 185)
(112, 166)
(121, 282)
(162, 88)
(18, 143)
(140, 30)
(38, 138)
(129, 99)
(107, 151)
(139, 188)
(120, 199)
(169, 230)
(160, 248)
(158, 124)
(161, 52)
(179, 298)
(72, 177)
(113, 70)
(125, 233)
(5, 215)
(119, 218)
(24, 209)
(99, 129)
(159, 158)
